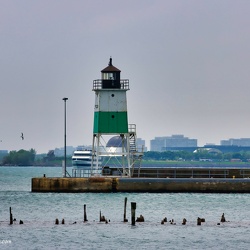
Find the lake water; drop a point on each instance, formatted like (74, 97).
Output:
(38, 211)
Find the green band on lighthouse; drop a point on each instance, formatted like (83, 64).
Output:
(110, 122)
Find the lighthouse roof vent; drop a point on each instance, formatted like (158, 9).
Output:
(110, 67)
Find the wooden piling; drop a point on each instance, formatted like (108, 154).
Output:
(198, 221)
(102, 217)
(63, 222)
(125, 207)
(11, 217)
(57, 221)
(85, 213)
(133, 208)
(184, 221)
(223, 219)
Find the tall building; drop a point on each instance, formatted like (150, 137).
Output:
(241, 142)
(3, 153)
(174, 141)
(59, 152)
(140, 143)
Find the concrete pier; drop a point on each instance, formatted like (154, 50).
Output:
(119, 184)
(58, 184)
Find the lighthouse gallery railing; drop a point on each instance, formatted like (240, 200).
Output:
(97, 84)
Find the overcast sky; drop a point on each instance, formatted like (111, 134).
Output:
(187, 62)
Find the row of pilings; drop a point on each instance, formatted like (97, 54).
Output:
(134, 219)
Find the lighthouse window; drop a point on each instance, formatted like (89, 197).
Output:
(113, 116)
(111, 76)
(105, 76)
(112, 95)
(108, 76)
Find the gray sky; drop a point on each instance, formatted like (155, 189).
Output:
(187, 62)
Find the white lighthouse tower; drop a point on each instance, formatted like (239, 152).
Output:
(111, 119)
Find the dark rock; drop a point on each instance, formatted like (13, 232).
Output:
(140, 219)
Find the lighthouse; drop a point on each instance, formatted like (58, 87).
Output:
(111, 119)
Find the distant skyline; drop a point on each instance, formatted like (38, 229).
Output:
(227, 142)
(187, 63)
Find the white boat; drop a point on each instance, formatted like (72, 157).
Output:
(82, 159)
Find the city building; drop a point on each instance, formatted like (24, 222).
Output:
(170, 142)
(59, 152)
(3, 153)
(141, 146)
(241, 142)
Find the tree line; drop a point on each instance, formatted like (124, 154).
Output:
(196, 156)
(28, 158)
(20, 158)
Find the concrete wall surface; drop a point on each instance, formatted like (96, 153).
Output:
(223, 185)
(92, 184)
(116, 184)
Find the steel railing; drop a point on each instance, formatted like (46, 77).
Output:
(97, 84)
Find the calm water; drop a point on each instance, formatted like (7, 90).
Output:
(39, 211)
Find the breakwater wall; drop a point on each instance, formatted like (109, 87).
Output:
(119, 184)
(183, 172)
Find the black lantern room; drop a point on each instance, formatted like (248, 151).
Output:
(111, 77)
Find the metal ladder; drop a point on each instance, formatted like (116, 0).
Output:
(135, 156)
